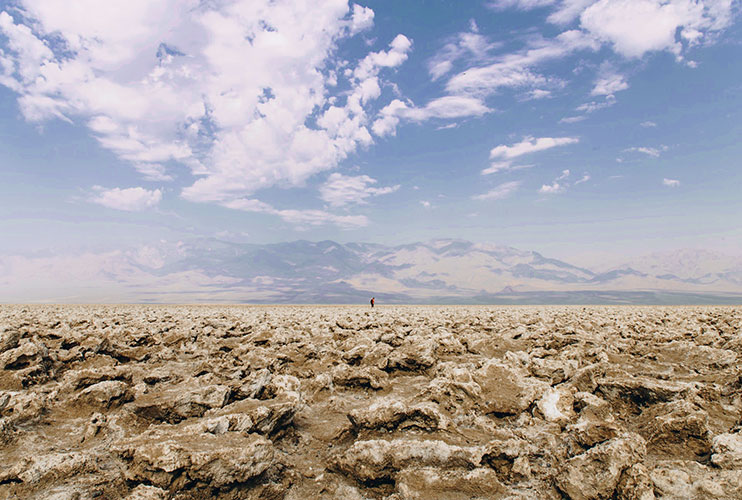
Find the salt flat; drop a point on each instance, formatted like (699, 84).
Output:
(398, 402)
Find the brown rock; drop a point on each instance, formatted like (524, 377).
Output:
(417, 353)
(509, 457)
(428, 483)
(678, 429)
(8, 432)
(404, 402)
(585, 379)
(25, 354)
(252, 415)
(105, 394)
(635, 484)
(506, 390)
(642, 391)
(176, 404)
(727, 451)
(391, 414)
(589, 431)
(377, 459)
(146, 492)
(596, 473)
(9, 338)
(554, 370)
(556, 406)
(689, 480)
(158, 456)
(362, 377)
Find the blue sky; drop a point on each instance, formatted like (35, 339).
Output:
(577, 128)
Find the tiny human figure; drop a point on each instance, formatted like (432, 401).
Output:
(372, 302)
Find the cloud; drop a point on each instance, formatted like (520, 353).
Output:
(451, 106)
(152, 171)
(530, 145)
(537, 94)
(653, 152)
(446, 107)
(573, 119)
(557, 186)
(635, 27)
(300, 218)
(520, 4)
(609, 85)
(470, 45)
(553, 188)
(502, 166)
(447, 126)
(497, 166)
(425, 203)
(648, 124)
(631, 27)
(386, 123)
(568, 11)
(133, 199)
(341, 190)
(500, 191)
(515, 70)
(396, 55)
(670, 182)
(362, 19)
(584, 178)
(593, 106)
(164, 83)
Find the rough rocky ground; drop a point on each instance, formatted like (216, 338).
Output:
(197, 402)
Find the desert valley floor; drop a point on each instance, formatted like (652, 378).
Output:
(346, 402)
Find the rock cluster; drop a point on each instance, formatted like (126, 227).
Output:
(395, 403)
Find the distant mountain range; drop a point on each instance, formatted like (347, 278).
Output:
(438, 271)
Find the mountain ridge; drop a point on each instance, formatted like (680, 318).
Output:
(441, 271)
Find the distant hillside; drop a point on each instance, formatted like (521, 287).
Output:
(439, 271)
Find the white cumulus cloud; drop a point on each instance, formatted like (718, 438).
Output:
(635, 27)
(559, 184)
(133, 199)
(573, 119)
(300, 218)
(584, 178)
(609, 85)
(517, 70)
(341, 190)
(670, 182)
(568, 11)
(362, 19)
(530, 145)
(593, 106)
(446, 107)
(649, 151)
(500, 191)
(520, 4)
(503, 166)
(468, 45)
(165, 82)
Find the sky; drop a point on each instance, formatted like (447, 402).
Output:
(582, 129)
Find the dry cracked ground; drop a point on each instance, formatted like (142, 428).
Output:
(231, 402)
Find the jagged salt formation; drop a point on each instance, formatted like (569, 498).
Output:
(176, 402)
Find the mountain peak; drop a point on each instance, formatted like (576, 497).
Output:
(439, 270)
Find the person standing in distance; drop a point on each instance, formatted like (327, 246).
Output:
(372, 302)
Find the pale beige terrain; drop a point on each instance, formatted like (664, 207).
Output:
(232, 402)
